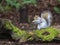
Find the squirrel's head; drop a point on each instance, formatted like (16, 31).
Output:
(36, 19)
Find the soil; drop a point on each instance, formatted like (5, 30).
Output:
(7, 42)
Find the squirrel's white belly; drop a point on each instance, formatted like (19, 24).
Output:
(42, 25)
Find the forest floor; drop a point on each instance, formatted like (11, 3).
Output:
(11, 42)
(7, 42)
(57, 27)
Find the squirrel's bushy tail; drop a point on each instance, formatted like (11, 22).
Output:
(47, 15)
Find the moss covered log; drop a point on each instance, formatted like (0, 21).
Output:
(47, 34)
(16, 32)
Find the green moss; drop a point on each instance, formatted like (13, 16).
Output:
(16, 32)
(52, 34)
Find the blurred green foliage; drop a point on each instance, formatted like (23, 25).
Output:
(15, 3)
(58, 1)
(4, 8)
(57, 9)
(18, 3)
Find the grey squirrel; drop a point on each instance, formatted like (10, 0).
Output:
(44, 21)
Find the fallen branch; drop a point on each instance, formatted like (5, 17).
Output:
(17, 34)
